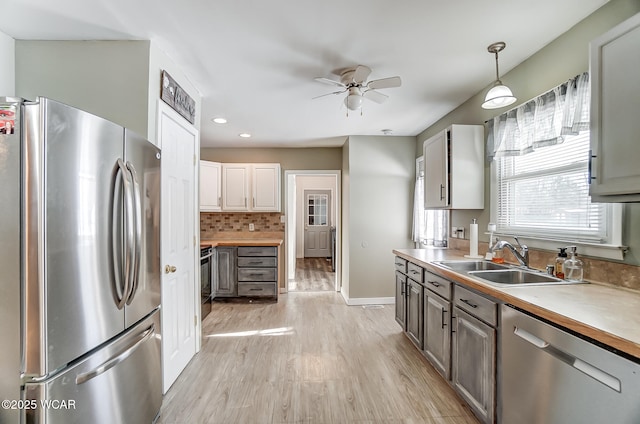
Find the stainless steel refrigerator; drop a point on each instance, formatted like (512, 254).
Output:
(79, 268)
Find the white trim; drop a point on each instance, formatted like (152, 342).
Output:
(290, 231)
(357, 301)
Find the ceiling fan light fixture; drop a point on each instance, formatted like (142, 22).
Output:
(353, 101)
(499, 95)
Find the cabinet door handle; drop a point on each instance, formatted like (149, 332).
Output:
(468, 303)
(219, 200)
(444, 311)
(402, 288)
(441, 191)
(590, 171)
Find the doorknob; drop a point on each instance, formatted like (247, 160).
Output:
(169, 269)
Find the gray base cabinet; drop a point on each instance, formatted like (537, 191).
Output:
(401, 299)
(414, 312)
(473, 356)
(225, 283)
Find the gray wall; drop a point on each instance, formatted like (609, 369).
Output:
(7, 65)
(106, 78)
(562, 59)
(377, 209)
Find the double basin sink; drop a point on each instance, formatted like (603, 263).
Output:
(503, 275)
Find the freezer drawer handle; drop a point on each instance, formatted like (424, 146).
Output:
(107, 365)
(582, 366)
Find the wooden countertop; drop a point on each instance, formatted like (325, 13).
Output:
(242, 242)
(607, 314)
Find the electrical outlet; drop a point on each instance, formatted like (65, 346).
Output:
(454, 232)
(283, 218)
(252, 227)
(461, 232)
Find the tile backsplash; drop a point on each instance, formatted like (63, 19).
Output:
(595, 270)
(217, 222)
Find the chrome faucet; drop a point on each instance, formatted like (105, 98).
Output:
(522, 256)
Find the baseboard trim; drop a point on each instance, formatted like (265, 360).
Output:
(357, 301)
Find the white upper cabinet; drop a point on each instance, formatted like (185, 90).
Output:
(266, 187)
(210, 186)
(251, 187)
(454, 168)
(615, 102)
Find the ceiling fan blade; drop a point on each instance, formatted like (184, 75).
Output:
(385, 83)
(375, 96)
(329, 94)
(330, 82)
(361, 73)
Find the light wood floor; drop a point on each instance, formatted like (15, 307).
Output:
(313, 274)
(309, 358)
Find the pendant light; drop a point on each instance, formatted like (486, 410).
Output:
(499, 95)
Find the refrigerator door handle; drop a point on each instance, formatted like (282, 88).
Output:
(122, 287)
(137, 240)
(115, 360)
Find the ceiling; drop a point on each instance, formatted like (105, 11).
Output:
(254, 61)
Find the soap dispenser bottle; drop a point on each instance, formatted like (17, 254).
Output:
(562, 257)
(573, 269)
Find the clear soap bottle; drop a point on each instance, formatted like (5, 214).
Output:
(562, 257)
(573, 269)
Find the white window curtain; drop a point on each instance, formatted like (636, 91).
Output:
(429, 226)
(543, 121)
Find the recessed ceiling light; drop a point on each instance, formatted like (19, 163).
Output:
(244, 135)
(219, 120)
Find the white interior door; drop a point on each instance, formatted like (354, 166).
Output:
(177, 140)
(317, 224)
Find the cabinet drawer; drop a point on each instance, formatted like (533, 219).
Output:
(256, 289)
(257, 251)
(438, 284)
(401, 265)
(257, 262)
(257, 274)
(476, 305)
(415, 272)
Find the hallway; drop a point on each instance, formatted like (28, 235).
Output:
(309, 358)
(313, 274)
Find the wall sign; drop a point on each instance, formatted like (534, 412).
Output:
(173, 95)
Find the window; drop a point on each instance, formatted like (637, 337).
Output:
(429, 225)
(540, 177)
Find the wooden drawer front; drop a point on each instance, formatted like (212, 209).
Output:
(257, 274)
(401, 265)
(476, 305)
(258, 262)
(256, 289)
(257, 251)
(438, 284)
(415, 272)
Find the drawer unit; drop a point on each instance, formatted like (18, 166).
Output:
(438, 284)
(256, 289)
(257, 274)
(257, 271)
(257, 251)
(401, 265)
(476, 305)
(415, 272)
(257, 262)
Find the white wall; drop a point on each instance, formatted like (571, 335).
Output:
(7, 65)
(311, 182)
(377, 211)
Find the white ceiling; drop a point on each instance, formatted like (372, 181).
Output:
(254, 61)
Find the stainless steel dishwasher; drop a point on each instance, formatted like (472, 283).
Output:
(549, 375)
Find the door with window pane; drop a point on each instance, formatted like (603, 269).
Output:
(317, 223)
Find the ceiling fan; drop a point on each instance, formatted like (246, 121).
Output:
(353, 82)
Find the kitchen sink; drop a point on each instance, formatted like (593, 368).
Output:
(467, 266)
(518, 277)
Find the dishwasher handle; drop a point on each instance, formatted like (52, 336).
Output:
(577, 363)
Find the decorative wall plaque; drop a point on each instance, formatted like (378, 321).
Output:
(173, 95)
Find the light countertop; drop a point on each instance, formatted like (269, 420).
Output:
(247, 238)
(606, 314)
